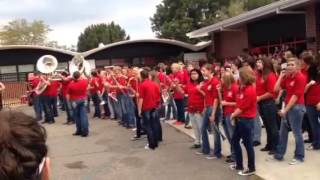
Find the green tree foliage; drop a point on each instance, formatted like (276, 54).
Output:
(173, 19)
(22, 32)
(95, 34)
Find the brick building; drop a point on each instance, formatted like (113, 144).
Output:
(291, 23)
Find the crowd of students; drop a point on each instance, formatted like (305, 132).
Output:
(233, 97)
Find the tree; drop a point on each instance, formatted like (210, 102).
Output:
(173, 19)
(22, 32)
(95, 34)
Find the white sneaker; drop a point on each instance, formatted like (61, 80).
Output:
(295, 162)
(199, 153)
(147, 147)
(210, 157)
(310, 148)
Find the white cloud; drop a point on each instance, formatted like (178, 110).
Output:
(68, 18)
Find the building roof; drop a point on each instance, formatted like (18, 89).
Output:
(271, 9)
(35, 47)
(190, 47)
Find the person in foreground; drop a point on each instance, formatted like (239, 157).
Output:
(23, 149)
(244, 117)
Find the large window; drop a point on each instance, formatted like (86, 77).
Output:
(25, 68)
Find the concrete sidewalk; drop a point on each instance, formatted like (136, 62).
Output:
(309, 170)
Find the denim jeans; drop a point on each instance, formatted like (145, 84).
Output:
(196, 121)
(96, 102)
(180, 109)
(294, 116)
(68, 109)
(243, 130)
(38, 107)
(229, 131)
(268, 112)
(157, 125)
(117, 107)
(54, 105)
(205, 137)
(171, 107)
(256, 133)
(48, 111)
(313, 116)
(127, 107)
(111, 107)
(106, 104)
(148, 118)
(80, 116)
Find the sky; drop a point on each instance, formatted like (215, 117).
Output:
(68, 18)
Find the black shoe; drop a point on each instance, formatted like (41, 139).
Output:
(256, 143)
(135, 138)
(84, 135)
(76, 134)
(229, 160)
(66, 123)
(271, 152)
(44, 122)
(195, 146)
(228, 157)
(247, 173)
(307, 141)
(265, 149)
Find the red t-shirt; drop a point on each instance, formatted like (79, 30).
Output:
(210, 89)
(150, 93)
(52, 89)
(294, 85)
(77, 90)
(247, 101)
(101, 83)
(94, 85)
(195, 98)
(230, 95)
(123, 82)
(35, 82)
(133, 83)
(64, 87)
(267, 85)
(312, 95)
(178, 79)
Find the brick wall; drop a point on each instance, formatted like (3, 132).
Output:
(231, 43)
(313, 25)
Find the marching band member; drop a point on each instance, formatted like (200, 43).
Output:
(66, 80)
(77, 94)
(211, 115)
(37, 103)
(294, 82)
(177, 82)
(312, 98)
(195, 104)
(265, 82)
(94, 87)
(53, 91)
(157, 124)
(46, 100)
(104, 95)
(149, 95)
(111, 93)
(229, 89)
(244, 117)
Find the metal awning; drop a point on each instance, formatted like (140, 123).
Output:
(279, 7)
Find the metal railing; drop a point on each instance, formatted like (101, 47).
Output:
(13, 95)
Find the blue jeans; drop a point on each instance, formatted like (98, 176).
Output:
(38, 107)
(80, 116)
(180, 109)
(48, 111)
(54, 105)
(313, 116)
(229, 130)
(68, 109)
(268, 112)
(204, 132)
(148, 121)
(96, 102)
(171, 105)
(117, 107)
(127, 107)
(295, 117)
(243, 130)
(256, 133)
